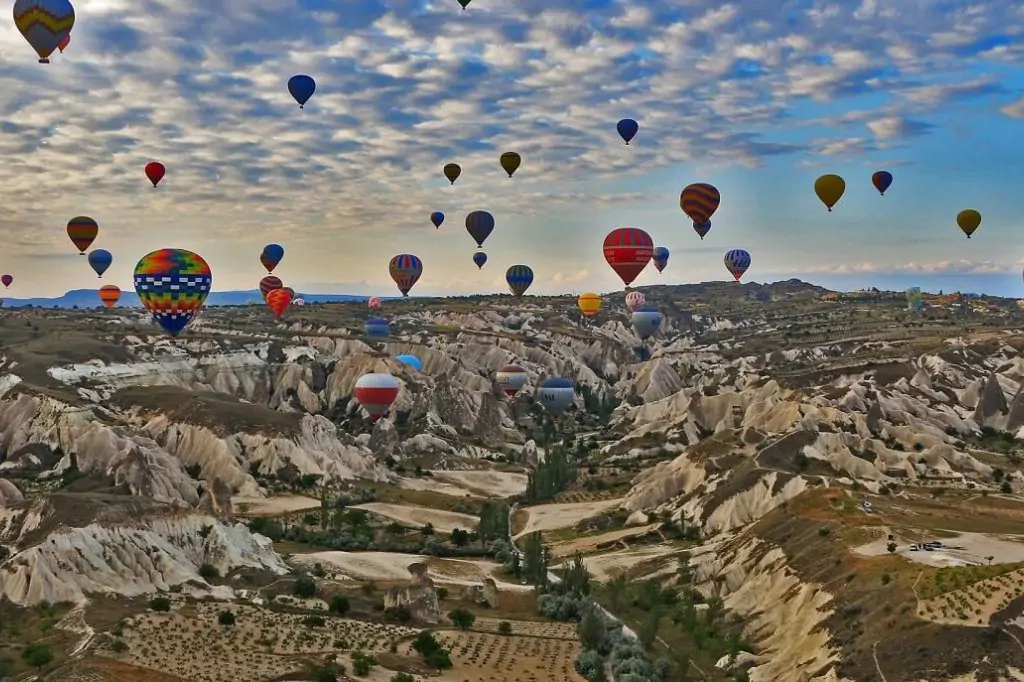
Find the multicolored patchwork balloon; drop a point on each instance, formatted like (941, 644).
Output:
(173, 284)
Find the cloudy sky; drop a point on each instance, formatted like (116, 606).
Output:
(757, 98)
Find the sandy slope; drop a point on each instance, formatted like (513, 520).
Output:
(606, 566)
(272, 506)
(411, 515)
(435, 486)
(590, 542)
(555, 516)
(485, 483)
(393, 566)
(976, 547)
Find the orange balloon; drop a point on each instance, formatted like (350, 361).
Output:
(278, 301)
(110, 294)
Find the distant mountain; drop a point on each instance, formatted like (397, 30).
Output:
(89, 298)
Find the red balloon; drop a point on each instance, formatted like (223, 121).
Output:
(155, 171)
(278, 301)
(376, 392)
(62, 45)
(628, 250)
(7, 280)
(268, 284)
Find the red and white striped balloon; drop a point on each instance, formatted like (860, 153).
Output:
(374, 302)
(511, 379)
(376, 392)
(634, 300)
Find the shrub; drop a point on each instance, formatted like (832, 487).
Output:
(226, 618)
(304, 588)
(160, 604)
(339, 604)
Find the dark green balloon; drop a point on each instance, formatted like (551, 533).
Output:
(464, 3)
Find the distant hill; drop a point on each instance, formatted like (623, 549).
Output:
(89, 298)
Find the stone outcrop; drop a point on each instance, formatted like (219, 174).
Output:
(419, 596)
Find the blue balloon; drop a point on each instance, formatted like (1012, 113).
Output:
(628, 128)
(377, 327)
(437, 218)
(660, 257)
(519, 279)
(556, 394)
(410, 360)
(271, 256)
(302, 88)
(479, 258)
(100, 260)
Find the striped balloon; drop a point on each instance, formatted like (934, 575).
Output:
(83, 230)
(480, 224)
(377, 327)
(634, 300)
(110, 294)
(700, 201)
(44, 24)
(589, 303)
(628, 250)
(519, 279)
(511, 379)
(268, 284)
(173, 284)
(278, 301)
(406, 270)
(376, 392)
(374, 302)
(736, 262)
(702, 228)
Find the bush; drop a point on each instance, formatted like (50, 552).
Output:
(461, 618)
(402, 677)
(504, 628)
(226, 618)
(590, 665)
(208, 572)
(160, 604)
(304, 588)
(362, 663)
(37, 655)
(339, 604)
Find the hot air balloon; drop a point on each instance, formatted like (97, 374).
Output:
(83, 230)
(376, 392)
(882, 180)
(510, 162)
(410, 360)
(511, 379)
(464, 3)
(628, 128)
(405, 269)
(480, 258)
(291, 292)
(660, 258)
(6, 280)
(452, 171)
(556, 394)
(646, 321)
(437, 218)
(63, 45)
(702, 228)
(480, 224)
(634, 300)
(700, 201)
(155, 171)
(736, 262)
(299, 302)
(100, 260)
(271, 256)
(374, 302)
(519, 279)
(969, 220)
(589, 304)
(302, 88)
(110, 294)
(268, 284)
(829, 189)
(44, 24)
(377, 327)
(278, 301)
(172, 284)
(628, 250)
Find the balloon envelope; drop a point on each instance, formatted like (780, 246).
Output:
(377, 327)
(301, 88)
(405, 270)
(634, 300)
(172, 284)
(736, 262)
(110, 294)
(410, 360)
(437, 218)
(452, 171)
(100, 260)
(628, 250)
(830, 189)
(702, 228)
(268, 284)
(480, 258)
(660, 258)
(510, 162)
(589, 304)
(646, 322)
(700, 201)
(969, 220)
(64, 43)
(374, 302)
(882, 180)
(7, 280)
(556, 394)
(628, 128)
(44, 24)
(511, 379)
(480, 224)
(376, 392)
(519, 278)
(271, 256)
(278, 301)
(82, 230)
(155, 171)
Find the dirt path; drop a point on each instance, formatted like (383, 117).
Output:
(874, 655)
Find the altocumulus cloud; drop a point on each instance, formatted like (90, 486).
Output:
(406, 86)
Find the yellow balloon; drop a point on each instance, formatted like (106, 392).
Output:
(829, 189)
(969, 220)
(589, 304)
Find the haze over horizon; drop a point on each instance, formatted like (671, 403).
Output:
(758, 100)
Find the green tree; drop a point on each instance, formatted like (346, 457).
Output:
(339, 604)
(459, 537)
(37, 655)
(304, 588)
(362, 663)
(161, 604)
(504, 628)
(461, 618)
(402, 677)
(226, 618)
(591, 630)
